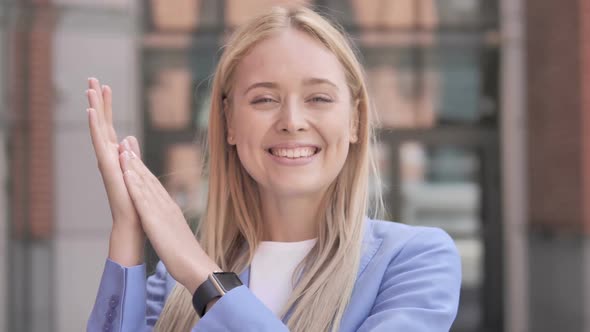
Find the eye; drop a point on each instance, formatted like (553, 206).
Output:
(320, 99)
(263, 100)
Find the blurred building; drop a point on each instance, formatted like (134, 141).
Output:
(485, 131)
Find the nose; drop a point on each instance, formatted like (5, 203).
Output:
(291, 118)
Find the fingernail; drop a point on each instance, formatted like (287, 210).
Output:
(103, 87)
(126, 155)
(126, 145)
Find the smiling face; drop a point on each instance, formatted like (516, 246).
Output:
(291, 115)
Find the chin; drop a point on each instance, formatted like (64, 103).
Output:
(296, 188)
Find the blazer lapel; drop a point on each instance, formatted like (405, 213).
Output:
(369, 248)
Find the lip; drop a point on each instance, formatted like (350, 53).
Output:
(292, 145)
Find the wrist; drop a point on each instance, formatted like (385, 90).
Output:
(197, 278)
(215, 287)
(126, 245)
(198, 270)
(129, 228)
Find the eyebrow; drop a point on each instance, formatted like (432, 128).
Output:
(316, 80)
(270, 85)
(307, 81)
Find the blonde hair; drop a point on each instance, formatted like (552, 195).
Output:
(230, 229)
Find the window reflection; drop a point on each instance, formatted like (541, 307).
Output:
(384, 14)
(458, 84)
(239, 11)
(182, 176)
(169, 99)
(422, 89)
(458, 12)
(440, 188)
(182, 15)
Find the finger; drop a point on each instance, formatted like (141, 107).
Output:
(95, 133)
(134, 145)
(94, 84)
(127, 144)
(135, 188)
(121, 148)
(139, 186)
(130, 162)
(95, 104)
(107, 95)
(150, 184)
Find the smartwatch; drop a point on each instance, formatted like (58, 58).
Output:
(216, 285)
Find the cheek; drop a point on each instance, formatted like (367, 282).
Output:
(250, 152)
(337, 152)
(337, 133)
(337, 142)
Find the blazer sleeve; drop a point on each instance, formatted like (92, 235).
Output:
(126, 301)
(239, 310)
(420, 289)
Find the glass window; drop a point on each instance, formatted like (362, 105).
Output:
(440, 187)
(181, 177)
(239, 11)
(180, 15)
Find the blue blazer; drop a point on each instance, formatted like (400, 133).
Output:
(408, 281)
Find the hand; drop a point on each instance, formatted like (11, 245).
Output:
(126, 224)
(165, 225)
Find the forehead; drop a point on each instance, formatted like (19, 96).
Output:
(289, 57)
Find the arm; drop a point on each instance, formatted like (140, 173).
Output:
(122, 303)
(185, 260)
(420, 289)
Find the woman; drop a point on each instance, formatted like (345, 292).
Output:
(289, 162)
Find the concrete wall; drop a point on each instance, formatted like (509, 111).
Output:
(514, 165)
(92, 39)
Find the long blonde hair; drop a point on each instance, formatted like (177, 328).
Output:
(230, 229)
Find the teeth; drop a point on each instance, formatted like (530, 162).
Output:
(294, 153)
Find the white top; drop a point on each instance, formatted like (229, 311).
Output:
(272, 268)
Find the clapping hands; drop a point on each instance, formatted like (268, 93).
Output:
(138, 201)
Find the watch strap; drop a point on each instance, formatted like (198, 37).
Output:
(216, 285)
(203, 295)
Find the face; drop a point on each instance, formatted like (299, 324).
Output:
(290, 115)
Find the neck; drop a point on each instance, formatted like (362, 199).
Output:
(289, 219)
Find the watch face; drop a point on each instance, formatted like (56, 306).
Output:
(227, 280)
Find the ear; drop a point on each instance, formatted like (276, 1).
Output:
(354, 123)
(231, 137)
